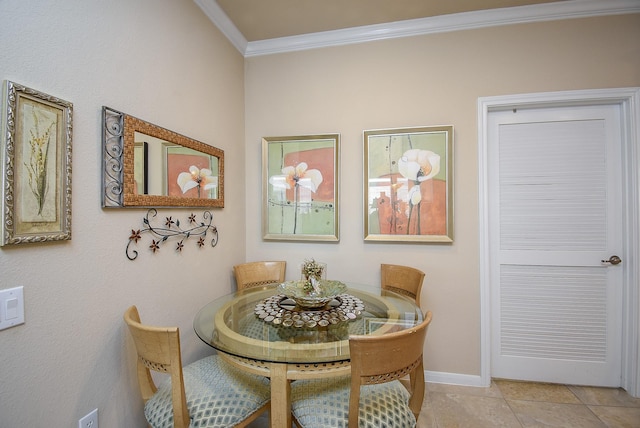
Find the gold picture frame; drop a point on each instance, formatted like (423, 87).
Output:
(300, 188)
(408, 184)
(36, 166)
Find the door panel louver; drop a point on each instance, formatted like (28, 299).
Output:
(548, 201)
(553, 312)
(555, 212)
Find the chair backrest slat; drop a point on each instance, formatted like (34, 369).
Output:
(254, 274)
(403, 280)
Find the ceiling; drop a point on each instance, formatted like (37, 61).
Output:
(269, 19)
(263, 27)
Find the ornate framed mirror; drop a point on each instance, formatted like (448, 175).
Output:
(145, 165)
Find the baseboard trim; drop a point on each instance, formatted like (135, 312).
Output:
(454, 378)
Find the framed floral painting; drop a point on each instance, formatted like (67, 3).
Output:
(36, 166)
(300, 188)
(408, 192)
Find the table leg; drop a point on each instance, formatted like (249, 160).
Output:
(280, 396)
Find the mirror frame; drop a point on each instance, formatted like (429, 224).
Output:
(118, 182)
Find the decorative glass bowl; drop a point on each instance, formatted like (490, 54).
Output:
(305, 298)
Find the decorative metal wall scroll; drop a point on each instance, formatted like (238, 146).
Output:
(172, 229)
(113, 155)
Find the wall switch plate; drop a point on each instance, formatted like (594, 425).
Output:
(11, 307)
(90, 420)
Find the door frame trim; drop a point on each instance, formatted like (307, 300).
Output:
(629, 101)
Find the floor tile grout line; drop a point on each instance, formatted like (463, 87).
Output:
(594, 414)
(574, 394)
(515, 415)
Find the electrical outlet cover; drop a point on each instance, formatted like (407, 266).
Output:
(90, 420)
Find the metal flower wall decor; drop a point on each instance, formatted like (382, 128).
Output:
(171, 228)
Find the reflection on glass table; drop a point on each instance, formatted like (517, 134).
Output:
(265, 332)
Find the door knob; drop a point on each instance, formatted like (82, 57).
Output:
(614, 260)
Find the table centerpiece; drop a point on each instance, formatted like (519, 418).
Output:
(313, 290)
(312, 269)
(312, 296)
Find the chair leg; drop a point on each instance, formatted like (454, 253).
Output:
(295, 421)
(254, 415)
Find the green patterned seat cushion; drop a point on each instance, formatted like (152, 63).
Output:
(218, 395)
(325, 403)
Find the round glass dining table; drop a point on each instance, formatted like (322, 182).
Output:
(263, 332)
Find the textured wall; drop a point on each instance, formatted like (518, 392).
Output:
(420, 81)
(162, 61)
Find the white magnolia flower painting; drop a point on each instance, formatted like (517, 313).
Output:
(409, 190)
(300, 178)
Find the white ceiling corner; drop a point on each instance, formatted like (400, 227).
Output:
(414, 27)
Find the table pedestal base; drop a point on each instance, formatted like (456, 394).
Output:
(281, 375)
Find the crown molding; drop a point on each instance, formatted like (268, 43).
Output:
(224, 24)
(559, 10)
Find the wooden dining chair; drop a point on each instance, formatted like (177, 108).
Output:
(403, 280)
(255, 274)
(206, 393)
(372, 396)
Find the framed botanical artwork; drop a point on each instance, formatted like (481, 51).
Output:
(408, 191)
(300, 188)
(36, 166)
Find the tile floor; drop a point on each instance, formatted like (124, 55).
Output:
(526, 404)
(512, 404)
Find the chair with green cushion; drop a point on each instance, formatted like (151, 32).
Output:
(372, 396)
(206, 393)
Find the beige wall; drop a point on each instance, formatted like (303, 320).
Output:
(425, 80)
(162, 61)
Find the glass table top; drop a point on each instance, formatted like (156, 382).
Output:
(261, 324)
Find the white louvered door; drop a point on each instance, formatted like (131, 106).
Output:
(555, 214)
